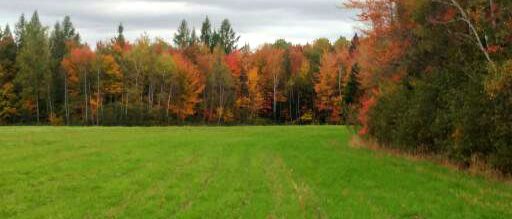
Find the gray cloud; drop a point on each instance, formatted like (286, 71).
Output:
(258, 21)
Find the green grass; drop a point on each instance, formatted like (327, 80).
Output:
(229, 172)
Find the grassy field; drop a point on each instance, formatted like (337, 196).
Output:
(229, 172)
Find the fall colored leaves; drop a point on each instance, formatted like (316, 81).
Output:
(200, 79)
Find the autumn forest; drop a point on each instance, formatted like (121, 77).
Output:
(429, 76)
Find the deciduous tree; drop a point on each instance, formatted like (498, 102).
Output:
(185, 89)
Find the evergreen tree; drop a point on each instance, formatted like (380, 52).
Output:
(182, 36)
(8, 51)
(281, 44)
(193, 38)
(227, 37)
(341, 44)
(19, 30)
(33, 78)
(120, 39)
(69, 30)
(216, 40)
(63, 33)
(206, 34)
(353, 45)
(352, 88)
(351, 91)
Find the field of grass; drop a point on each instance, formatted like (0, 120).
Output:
(227, 172)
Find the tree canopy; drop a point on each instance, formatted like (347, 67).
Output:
(423, 76)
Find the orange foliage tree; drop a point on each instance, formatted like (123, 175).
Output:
(328, 87)
(78, 67)
(186, 88)
(269, 62)
(385, 43)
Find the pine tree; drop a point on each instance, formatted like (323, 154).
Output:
(353, 45)
(227, 37)
(69, 31)
(8, 51)
(206, 34)
(8, 110)
(182, 36)
(19, 30)
(34, 75)
(351, 91)
(193, 38)
(63, 34)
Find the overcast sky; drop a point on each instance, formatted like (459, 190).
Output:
(257, 21)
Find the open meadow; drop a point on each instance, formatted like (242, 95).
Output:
(227, 172)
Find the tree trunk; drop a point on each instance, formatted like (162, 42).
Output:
(221, 104)
(122, 100)
(150, 96)
(85, 100)
(66, 105)
(298, 105)
(126, 105)
(98, 100)
(290, 100)
(168, 103)
(91, 110)
(340, 75)
(466, 18)
(274, 105)
(161, 92)
(37, 106)
(49, 102)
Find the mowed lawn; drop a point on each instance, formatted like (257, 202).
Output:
(227, 172)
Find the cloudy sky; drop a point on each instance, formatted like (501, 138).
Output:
(257, 21)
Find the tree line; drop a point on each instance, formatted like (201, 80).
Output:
(427, 76)
(49, 76)
(436, 77)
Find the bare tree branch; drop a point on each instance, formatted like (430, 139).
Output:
(467, 20)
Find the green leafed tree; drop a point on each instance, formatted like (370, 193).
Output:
(63, 34)
(33, 62)
(193, 37)
(227, 37)
(8, 110)
(221, 85)
(351, 91)
(19, 30)
(182, 36)
(206, 34)
(120, 39)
